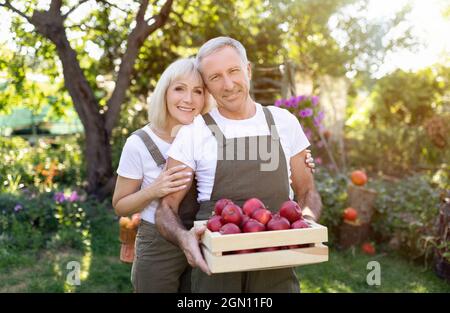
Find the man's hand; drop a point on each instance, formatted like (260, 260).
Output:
(191, 248)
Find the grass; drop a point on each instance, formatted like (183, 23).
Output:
(346, 271)
(101, 270)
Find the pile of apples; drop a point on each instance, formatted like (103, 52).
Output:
(229, 218)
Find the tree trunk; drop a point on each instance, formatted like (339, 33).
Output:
(97, 126)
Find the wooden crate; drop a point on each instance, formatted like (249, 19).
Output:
(214, 245)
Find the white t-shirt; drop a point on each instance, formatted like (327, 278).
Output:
(196, 147)
(137, 163)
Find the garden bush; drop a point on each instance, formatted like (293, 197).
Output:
(30, 222)
(406, 215)
(49, 164)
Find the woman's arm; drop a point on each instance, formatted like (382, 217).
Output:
(128, 199)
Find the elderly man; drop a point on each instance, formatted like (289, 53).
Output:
(238, 151)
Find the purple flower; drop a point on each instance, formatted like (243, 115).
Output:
(73, 197)
(59, 197)
(318, 161)
(305, 113)
(301, 98)
(279, 103)
(308, 133)
(321, 115)
(290, 102)
(18, 208)
(315, 100)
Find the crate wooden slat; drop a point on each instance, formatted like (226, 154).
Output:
(265, 260)
(214, 244)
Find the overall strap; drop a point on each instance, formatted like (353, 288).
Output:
(151, 146)
(271, 123)
(213, 127)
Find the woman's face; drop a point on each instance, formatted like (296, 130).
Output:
(185, 99)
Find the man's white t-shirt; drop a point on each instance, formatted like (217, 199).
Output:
(196, 146)
(137, 163)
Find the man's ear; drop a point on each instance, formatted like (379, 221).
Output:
(249, 70)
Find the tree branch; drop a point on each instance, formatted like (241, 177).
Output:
(8, 5)
(113, 5)
(135, 41)
(55, 6)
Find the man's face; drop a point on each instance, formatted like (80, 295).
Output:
(227, 78)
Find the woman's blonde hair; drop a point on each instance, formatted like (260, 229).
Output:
(158, 112)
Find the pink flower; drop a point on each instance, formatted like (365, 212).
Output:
(305, 113)
(314, 100)
(308, 133)
(73, 197)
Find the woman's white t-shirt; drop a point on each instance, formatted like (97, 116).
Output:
(196, 147)
(137, 163)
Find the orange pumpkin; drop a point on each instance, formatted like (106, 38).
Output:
(359, 178)
(368, 248)
(350, 214)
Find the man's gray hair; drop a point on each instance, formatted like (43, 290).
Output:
(218, 43)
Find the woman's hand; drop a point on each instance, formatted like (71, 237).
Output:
(170, 180)
(310, 161)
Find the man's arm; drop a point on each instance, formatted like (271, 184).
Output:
(303, 185)
(170, 226)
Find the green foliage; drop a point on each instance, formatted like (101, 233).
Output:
(413, 105)
(399, 118)
(333, 192)
(335, 37)
(46, 165)
(32, 222)
(406, 213)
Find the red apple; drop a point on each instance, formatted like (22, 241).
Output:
(278, 223)
(220, 205)
(251, 205)
(291, 210)
(229, 228)
(245, 219)
(262, 215)
(268, 249)
(253, 226)
(300, 224)
(214, 223)
(232, 213)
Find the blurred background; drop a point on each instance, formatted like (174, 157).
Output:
(368, 80)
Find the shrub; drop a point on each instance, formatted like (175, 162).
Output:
(333, 192)
(31, 222)
(406, 213)
(49, 164)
